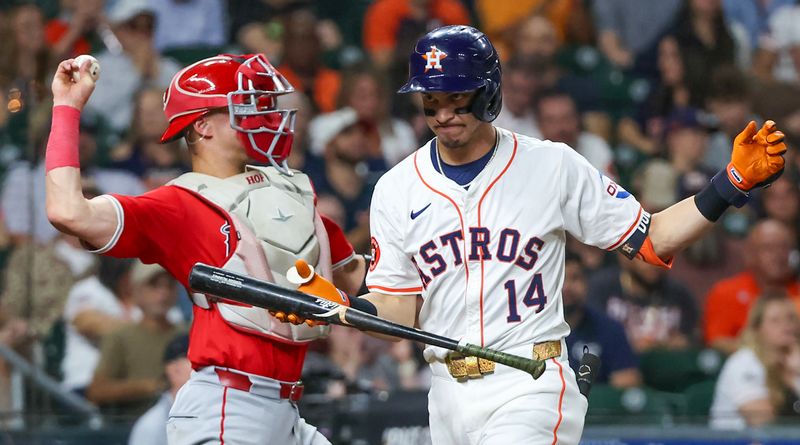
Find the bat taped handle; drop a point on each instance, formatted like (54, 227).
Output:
(531, 366)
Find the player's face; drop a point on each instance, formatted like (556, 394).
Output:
(225, 138)
(452, 129)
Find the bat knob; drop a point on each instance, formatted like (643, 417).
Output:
(301, 273)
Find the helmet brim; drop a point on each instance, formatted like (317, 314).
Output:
(440, 83)
(177, 126)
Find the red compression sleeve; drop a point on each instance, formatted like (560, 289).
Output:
(62, 145)
(340, 247)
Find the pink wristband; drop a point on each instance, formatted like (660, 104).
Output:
(62, 145)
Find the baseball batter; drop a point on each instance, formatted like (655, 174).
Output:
(475, 222)
(252, 219)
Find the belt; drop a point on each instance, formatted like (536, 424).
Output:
(461, 367)
(290, 391)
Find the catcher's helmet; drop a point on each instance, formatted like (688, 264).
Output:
(247, 85)
(457, 58)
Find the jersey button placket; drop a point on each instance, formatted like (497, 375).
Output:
(473, 287)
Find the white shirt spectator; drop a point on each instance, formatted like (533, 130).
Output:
(81, 355)
(742, 380)
(113, 96)
(524, 124)
(151, 428)
(23, 197)
(785, 32)
(207, 18)
(597, 151)
(398, 143)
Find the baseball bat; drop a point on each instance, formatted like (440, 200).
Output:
(232, 286)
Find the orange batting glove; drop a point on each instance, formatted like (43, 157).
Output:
(313, 284)
(757, 158)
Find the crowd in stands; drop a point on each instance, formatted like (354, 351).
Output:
(651, 92)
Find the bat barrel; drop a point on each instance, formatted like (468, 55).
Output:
(242, 289)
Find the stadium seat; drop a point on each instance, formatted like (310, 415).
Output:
(675, 370)
(698, 398)
(633, 405)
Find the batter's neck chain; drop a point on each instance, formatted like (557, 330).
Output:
(467, 185)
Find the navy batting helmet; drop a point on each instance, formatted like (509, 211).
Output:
(458, 59)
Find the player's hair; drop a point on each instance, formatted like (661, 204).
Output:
(750, 339)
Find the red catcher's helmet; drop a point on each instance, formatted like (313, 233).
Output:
(247, 85)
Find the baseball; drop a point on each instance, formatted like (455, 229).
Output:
(94, 69)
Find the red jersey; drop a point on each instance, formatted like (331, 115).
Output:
(175, 228)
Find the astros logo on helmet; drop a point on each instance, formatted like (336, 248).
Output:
(434, 58)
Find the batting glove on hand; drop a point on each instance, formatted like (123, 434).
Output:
(309, 282)
(757, 158)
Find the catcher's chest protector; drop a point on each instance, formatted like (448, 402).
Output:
(276, 223)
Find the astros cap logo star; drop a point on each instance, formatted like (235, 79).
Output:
(434, 58)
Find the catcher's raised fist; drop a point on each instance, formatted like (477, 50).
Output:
(757, 158)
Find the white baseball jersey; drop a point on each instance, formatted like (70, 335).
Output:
(489, 261)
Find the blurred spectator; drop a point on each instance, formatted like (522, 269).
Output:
(657, 311)
(150, 428)
(331, 207)
(783, 57)
(38, 278)
(253, 22)
(95, 306)
(781, 202)
(705, 41)
(761, 381)
(71, 33)
(142, 153)
(656, 185)
(559, 121)
(392, 26)
(770, 246)
(536, 38)
(594, 329)
(754, 16)
(645, 132)
(730, 101)
(129, 374)
(366, 91)
(629, 31)
(138, 64)
(502, 21)
(208, 19)
(23, 190)
(301, 63)
(519, 86)
(300, 144)
(345, 169)
(686, 142)
(25, 64)
(356, 363)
